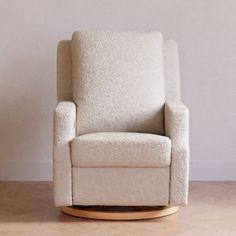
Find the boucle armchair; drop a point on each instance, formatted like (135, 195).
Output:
(121, 132)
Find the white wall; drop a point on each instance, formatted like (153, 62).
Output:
(30, 30)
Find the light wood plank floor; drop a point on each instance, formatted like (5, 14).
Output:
(26, 208)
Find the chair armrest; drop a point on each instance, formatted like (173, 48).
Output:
(177, 124)
(64, 132)
(64, 123)
(177, 129)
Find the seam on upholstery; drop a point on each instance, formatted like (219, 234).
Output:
(170, 174)
(71, 177)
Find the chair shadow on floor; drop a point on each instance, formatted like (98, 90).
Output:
(33, 202)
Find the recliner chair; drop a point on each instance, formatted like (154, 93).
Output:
(121, 132)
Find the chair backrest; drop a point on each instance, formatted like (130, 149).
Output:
(65, 89)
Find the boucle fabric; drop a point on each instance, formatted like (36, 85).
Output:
(177, 129)
(64, 71)
(148, 186)
(118, 81)
(120, 149)
(121, 186)
(171, 68)
(64, 132)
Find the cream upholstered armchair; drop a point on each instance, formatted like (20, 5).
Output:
(120, 128)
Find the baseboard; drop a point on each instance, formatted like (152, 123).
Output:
(25, 170)
(42, 171)
(213, 170)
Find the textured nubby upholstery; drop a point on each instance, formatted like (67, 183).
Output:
(64, 132)
(120, 149)
(120, 128)
(121, 186)
(177, 128)
(118, 82)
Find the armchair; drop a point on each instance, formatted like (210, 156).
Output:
(120, 128)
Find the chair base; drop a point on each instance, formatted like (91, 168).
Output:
(119, 212)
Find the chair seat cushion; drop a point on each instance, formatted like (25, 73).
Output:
(120, 149)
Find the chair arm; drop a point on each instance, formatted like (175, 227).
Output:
(177, 124)
(64, 132)
(64, 123)
(177, 129)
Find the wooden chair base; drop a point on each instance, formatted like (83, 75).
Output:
(119, 212)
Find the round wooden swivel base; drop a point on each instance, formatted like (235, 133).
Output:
(118, 212)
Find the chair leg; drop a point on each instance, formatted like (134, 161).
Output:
(119, 213)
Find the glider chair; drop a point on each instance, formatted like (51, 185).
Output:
(121, 145)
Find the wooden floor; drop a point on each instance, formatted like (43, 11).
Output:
(26, 208)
